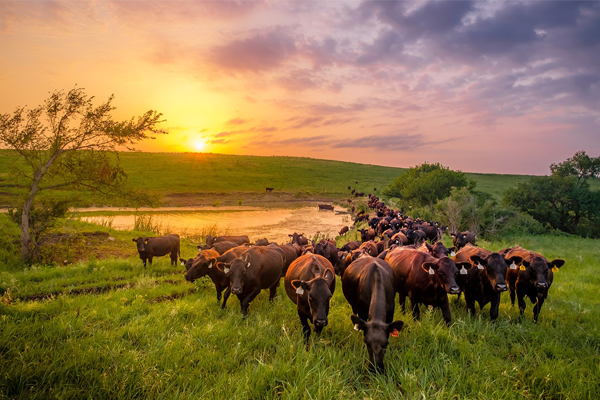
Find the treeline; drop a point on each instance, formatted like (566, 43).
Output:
(559, 203)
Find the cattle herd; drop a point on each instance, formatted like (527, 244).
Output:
(394, 256)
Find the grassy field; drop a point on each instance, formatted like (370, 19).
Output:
(110, 329)
(198, 178)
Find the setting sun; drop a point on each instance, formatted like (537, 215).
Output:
(200, 146)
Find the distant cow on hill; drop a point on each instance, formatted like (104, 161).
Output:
(269, 189)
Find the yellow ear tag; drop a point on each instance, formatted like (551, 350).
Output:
(522, 268)
(554, 269)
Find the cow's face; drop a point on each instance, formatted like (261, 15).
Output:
(141, 244)
(444, 272)
(494, 267)
(236, 272)
(439, 250)
(539, 272)
(199, 268)
(318, 294)
(460, 240)
(376, 338)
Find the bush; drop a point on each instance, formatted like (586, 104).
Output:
(9, 242)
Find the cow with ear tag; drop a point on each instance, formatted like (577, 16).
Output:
(532, 279)
(424, 279)
(484, 281)
(256, 269)
(206, 264)
(310, 283)
(368, 285)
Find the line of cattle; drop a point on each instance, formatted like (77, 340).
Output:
(371, 275)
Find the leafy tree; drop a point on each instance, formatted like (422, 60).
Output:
(65, 143)
(425, 184)
(563, 200)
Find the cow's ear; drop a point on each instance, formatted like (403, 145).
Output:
(556, 263)
(135, 240)
(300, 286)
(212, 262)
(526, 263)
(223, 267)
(453, 234)
(359, 324)
(514, 259)
(429, 267)
(475, 259)
(329, 276)
(465, 265)
(199, 247)
(183, 260)
(453, 248)
(146, 240)
(395, 326)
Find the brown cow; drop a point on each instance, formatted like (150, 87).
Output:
(328, 249)
(223, 247)
(484, 281)
(150, 247)
(240, 240)
(424, 279)
(460, 239)
(367, 234)
(206, 265)
(438, 250)
(299, 239)
(533, 281)
(310, 284)
(290, 253)
(368, 285)
(256, 269)
(344, 230)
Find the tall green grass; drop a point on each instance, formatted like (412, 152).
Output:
(153, 335)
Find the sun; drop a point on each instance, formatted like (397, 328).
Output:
(200, 146)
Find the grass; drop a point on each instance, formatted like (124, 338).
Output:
(110, 329)
(184, 178)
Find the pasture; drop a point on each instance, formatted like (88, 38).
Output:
(110, 329)
(203, 178)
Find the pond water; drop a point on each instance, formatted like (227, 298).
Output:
(272, 223)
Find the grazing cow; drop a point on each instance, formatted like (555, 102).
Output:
(344, 230)
(533, 279)
(240, 240)
(223, 247)
(256, 269)
(300, 240)
(368, 285)
(328, 207)
(206, 265)
(424, 279)
(460, 239)
(367, 234)
(438, 250)
(310, 283)
(484, 281)
(353, 245)
(327, 249)
(151, 247)
(190, 262)
(269, 190)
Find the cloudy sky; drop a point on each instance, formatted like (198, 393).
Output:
(481, 86)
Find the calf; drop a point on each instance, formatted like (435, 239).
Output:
(368, 285)
(151, 247)
(424, 279)
(206, 265)
(484, 281)
(256, 269)
(310, 284)
(533, 279)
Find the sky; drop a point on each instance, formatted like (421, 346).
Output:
(479, 86)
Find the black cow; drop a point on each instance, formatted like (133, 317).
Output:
(310, 284)
(484, 281)
(424, 279)
(290, 253)
(460, 239)
(262, 242)
(438, 250)
(299, 239)
(368, 285)
(223, 247)
(533, 281)
(256, 269)
(150, 247)
(240, 240)
(327, 249)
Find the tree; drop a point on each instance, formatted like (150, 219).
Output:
(425, 184)
(563, 200)
(66, 143)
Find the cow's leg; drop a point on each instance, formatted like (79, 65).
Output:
(247, 299)
(225, 297)
(143, 261)
(521, 301)
(512, 295)
(494, 306)
(174, 258)
(273, 290)
(305, 326)
(150, 260)
(218, 293)
(402, 300)
(470, 304)
(445, 306)
(537, 308)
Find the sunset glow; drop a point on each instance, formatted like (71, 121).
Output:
(482, 86)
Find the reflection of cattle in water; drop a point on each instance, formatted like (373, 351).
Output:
(325, 207)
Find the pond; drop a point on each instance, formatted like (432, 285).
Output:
(275, 224)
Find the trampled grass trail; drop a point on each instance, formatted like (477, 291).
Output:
(110, 329)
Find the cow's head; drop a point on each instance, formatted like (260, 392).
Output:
(538, 271)
(141, 243)
(495, 266)
(444, 273)
(376, 336)
(187, 263)
(200, 267)
(317, 293)
(236, 272)
(459, 239)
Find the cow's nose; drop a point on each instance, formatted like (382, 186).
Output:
(541, 284)
(454, 290)
(501, 287)
(321, 322)
(236, 290)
